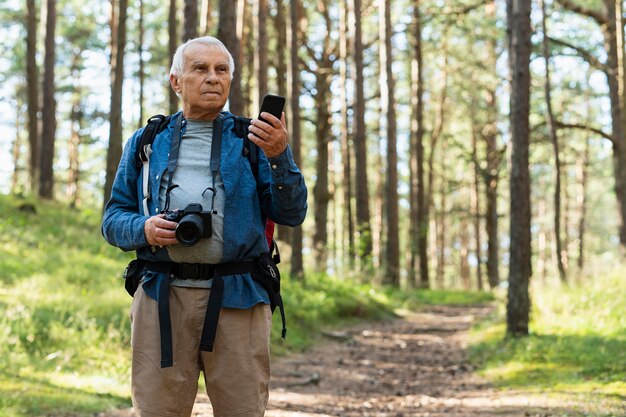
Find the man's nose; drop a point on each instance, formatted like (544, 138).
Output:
(211, 77)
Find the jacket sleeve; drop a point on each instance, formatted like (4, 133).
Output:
(282, 191)
(122, 223)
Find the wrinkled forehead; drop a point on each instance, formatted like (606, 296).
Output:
(198, 53)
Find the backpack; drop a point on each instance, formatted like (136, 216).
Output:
(158, 122)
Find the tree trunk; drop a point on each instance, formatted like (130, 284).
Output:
(560, 252)
(475, 203)
(436, 135)
(360, 147)
(190, 27)
(322, 196)
(297, 267)
(172, 45)
(346, 145)
(46, 156)
(282, 233)
(463, 254)
(114, 151)
(32, 86)
(281, 38)
(260, 50)
(73, 144)
(418, 212)
(441, 216)
(492, 175)
(142, 72)
(15, 151)
(206, 22)
(388, 109)
(519, 31)
(583, 168)
(228, 35)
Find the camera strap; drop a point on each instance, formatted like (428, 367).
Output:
(216, 156)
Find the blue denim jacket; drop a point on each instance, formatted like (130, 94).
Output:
(281, 196)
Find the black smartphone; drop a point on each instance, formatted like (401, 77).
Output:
(273, 105)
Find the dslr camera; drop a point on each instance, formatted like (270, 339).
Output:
(193, 224)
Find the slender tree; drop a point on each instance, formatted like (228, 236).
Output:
(190, 27)
(552, 130)
(142, 71)
(419, 215)
(172, 44)
(297, 266)
(118, 44)
(32, 86)
(491, 174)
(346, 143)
(360, 144)
(227, 33)
(46, 155)
(388, 111)
(519, 31)
(260, 50)
(323, 78)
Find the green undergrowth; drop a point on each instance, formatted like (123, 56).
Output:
(577, 343)
(64, 325)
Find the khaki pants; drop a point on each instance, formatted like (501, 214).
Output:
(236, 373)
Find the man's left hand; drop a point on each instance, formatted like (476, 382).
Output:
(270, 136)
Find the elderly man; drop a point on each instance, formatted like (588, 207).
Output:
(201, 306)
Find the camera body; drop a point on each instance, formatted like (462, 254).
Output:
(193, 223)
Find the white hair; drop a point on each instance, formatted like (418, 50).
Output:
(179, 60)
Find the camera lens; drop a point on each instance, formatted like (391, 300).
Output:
(190, 230)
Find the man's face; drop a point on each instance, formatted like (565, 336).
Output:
(204, 84)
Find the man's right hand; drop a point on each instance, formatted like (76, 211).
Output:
(160, 232)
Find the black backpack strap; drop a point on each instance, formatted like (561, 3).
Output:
(250, 150)
(155, 125)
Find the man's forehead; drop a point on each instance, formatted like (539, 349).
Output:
(201, 53)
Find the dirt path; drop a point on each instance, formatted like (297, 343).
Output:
(408, 367)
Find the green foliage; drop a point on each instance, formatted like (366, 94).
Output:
(577, 343)
(64, 327)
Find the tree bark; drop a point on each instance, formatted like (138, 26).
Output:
(261, 50)
(583, 169)
(46, 156)
(519, 31)
(16, 148)
(172, 45)
(388, 110)
(321, 193)
(114, 151)
(32, 86)
(142, 71)
(475, 203)
(228, 35)
(190, 27)
(73, 145)
(297, 267)
(418, 212)
(364, 230)
(552, 129)
(346, 143)
(492, 174)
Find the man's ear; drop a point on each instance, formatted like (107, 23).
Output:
(174, 82)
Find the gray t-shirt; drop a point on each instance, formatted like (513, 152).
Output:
(193, 177)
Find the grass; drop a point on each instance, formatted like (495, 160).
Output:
(64, 326)
(577, 343)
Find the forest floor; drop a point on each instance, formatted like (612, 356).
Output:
(413, 366)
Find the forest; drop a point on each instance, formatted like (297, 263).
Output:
(447, 145)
